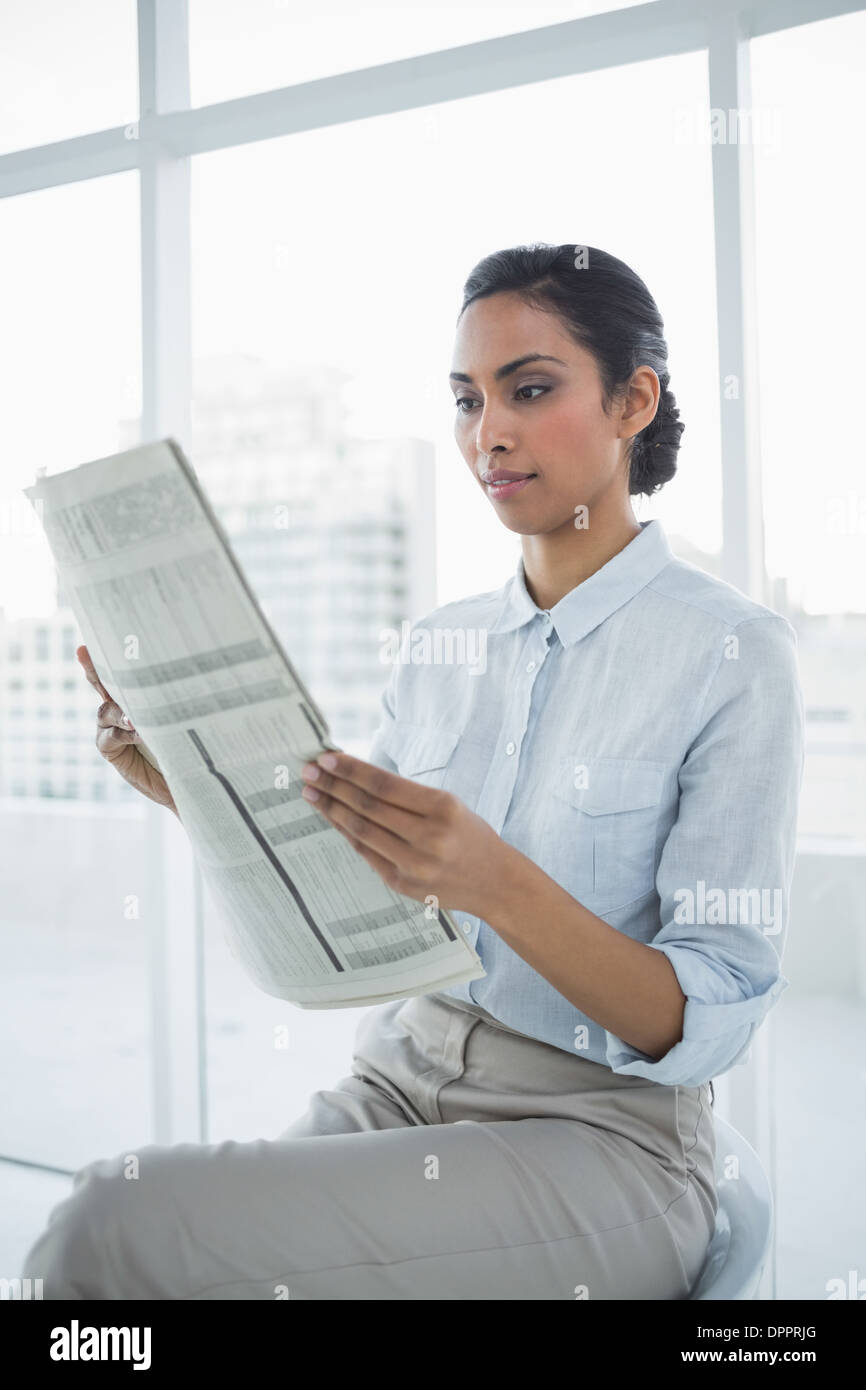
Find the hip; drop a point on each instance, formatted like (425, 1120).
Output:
(451, 1062)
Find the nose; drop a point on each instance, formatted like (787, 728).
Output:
(492, 434)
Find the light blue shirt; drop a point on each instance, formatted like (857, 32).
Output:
(643, 743)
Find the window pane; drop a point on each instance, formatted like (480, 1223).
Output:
(74, 1058)
(807, 86)
(812, 297)
(65, 70)
(238, 47)
(70, 355)
(327, 277)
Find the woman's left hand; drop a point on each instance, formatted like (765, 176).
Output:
(421, 841)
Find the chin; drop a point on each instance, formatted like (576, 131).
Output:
(528, 527)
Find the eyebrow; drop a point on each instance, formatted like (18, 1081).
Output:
(510, 367)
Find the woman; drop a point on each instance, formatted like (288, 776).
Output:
(608, 806)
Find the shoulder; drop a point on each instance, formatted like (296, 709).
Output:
(449, 633)
(430, 654)
(709, 608)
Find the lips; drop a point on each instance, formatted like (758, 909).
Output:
(504, 475)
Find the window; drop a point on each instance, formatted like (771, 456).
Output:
(813, 478)
(87, 285)
(65, 69)
(70, 367)
(811, 303)
(243, 46)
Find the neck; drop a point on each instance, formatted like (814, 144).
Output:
(555, 564)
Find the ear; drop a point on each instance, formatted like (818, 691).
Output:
(641, 401)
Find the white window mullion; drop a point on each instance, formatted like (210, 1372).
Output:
(177, 1005)
(733, 212)
(744, 1095)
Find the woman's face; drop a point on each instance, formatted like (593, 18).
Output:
(543, 417)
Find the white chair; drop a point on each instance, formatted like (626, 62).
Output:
(744, 1223)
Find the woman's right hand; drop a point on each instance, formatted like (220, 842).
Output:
(116, 740)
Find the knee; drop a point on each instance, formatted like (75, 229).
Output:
(81, 1252)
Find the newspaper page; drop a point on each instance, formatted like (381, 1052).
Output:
(179, 640)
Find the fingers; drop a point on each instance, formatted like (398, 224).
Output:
(111, 739)
(110, 714)
(90, 671)
(110, 719)
(114, 727)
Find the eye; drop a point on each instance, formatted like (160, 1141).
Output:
(460, 401)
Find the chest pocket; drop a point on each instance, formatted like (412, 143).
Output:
(615, 804)
(421, 752)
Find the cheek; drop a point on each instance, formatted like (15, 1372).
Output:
(567, 435)
(462, 437)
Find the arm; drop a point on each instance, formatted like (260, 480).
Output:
(624, 985)
(736, 832)
(682, 1008)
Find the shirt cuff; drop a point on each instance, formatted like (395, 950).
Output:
(716, 1036)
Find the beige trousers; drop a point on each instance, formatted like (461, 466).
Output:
(459, 1160)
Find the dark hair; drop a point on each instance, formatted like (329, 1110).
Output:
(608, 310)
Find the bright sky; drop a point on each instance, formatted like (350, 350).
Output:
(350, 245)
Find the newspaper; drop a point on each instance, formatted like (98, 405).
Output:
(179, 640)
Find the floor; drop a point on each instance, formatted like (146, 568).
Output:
(821, 1129)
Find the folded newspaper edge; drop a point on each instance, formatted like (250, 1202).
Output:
(179, 639)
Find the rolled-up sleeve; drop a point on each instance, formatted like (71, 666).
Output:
(724, 876)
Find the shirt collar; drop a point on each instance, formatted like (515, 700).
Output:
(593, 600)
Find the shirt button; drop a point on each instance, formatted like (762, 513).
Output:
(531, 666)
(510, 747)
(467, 927)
